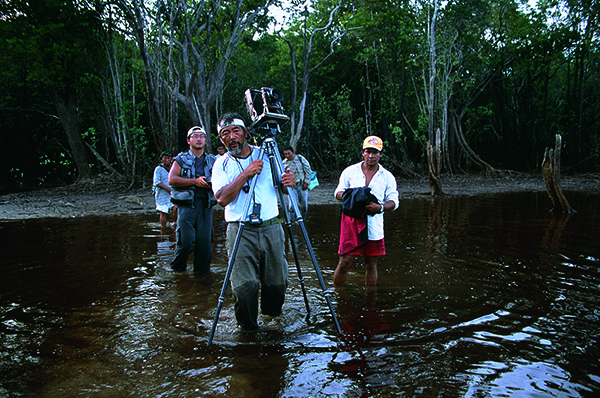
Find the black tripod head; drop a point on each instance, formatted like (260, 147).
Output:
(264, 130)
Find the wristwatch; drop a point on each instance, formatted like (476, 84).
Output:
(381, 210)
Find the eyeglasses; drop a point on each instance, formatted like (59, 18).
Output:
(197, 136)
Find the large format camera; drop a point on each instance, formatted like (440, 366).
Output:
(265, 110)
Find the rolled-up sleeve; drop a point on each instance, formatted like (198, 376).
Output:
(391, 191)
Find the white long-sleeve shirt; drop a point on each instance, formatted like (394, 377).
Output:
(383, 186)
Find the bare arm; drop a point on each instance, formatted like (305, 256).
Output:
(163, 186)
(177, 181)
(229, 192)
(288, 180)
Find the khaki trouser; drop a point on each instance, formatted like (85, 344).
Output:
(260, 261)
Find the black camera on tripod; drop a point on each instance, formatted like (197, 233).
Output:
(265, 110)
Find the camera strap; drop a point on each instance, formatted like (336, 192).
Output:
(247, 185)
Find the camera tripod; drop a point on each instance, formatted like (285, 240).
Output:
(269, 146)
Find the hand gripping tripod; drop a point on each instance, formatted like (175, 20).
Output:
(269, 146)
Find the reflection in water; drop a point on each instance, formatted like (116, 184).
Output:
(552, 239)
(437, 223)
(484, 296)
(361, 323)
(364, 331)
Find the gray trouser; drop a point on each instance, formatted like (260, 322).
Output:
(301, 197)
(194, 233)
(260, 260)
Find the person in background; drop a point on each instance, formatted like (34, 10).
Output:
(384, 193)
(162, 190)
(260, 259)
(301, 170)
(191, 171)
(221, 150)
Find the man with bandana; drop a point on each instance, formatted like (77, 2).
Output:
(260, 259)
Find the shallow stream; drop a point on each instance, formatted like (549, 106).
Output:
(486, 296)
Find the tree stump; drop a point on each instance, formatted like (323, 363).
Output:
(551, 172)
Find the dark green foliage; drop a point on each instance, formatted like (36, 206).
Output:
(333, 117)
(49, 50)
(512, 79)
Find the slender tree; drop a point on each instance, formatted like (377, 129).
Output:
(323, 26)
(202, 39)
(136, 14)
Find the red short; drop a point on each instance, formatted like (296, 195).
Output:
(371, 248)
(349, 239)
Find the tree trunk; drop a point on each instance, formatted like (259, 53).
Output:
(434, 145)
(136, 18)
(67, 112)
(103, 161)
(157, 125)
(551, 171)
(296, 129)
(487, 168)
(434, 161)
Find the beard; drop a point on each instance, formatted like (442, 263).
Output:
(198, 146)
(239, 149)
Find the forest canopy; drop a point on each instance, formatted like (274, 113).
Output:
(96, 87)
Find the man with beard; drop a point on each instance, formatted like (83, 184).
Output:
(191, 171)
(260, 259)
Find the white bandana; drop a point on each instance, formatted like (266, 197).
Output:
(234, 122)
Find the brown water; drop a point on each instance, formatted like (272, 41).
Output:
(482, 296)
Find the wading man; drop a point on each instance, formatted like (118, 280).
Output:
(300, 167)
(367, 179)
(260, 259)
(162, 190)
(191, 191)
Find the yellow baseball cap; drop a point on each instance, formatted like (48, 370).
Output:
(373, 142)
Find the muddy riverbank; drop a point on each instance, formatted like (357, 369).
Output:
(106, 198)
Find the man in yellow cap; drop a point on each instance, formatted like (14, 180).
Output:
(367, 179)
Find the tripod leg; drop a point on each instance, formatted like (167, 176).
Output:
(319, 276)
(298, 269)
(308, 245)
(225, 283)
(233, 254)
(275, 171)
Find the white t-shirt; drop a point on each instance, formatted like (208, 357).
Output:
(161, 196)
(228, 167)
